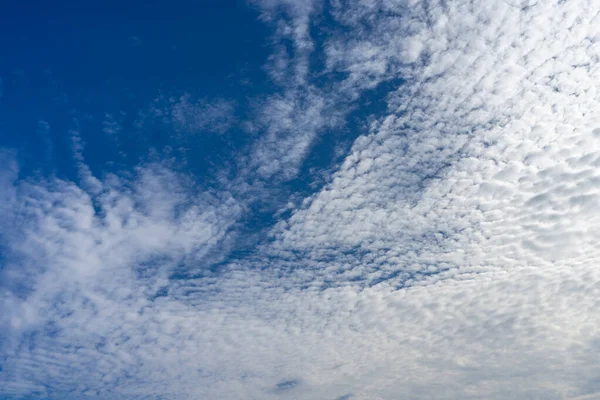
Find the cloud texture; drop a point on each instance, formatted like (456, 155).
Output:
(453, 254)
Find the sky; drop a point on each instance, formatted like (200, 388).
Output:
(300, 199)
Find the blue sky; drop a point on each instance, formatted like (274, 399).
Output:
(67, 62)
(299, 199)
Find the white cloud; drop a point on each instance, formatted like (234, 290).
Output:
(290, 119)
(290, 124)
(453, 254)
(466, 149)
(70, 250)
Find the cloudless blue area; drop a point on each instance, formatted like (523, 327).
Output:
(70, 63)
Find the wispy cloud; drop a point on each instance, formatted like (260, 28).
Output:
(187, 116)
(71, 252)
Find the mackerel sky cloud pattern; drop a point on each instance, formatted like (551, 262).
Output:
(382, 199)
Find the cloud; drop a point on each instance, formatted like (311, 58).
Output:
(290, 119)
(98, 248)
(217, 116)
(297, 26)
(452, 255)
(290, 124)
(186, 116)
(458, 159)
(111, 126)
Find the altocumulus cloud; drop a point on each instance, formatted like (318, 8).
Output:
(453, 254)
